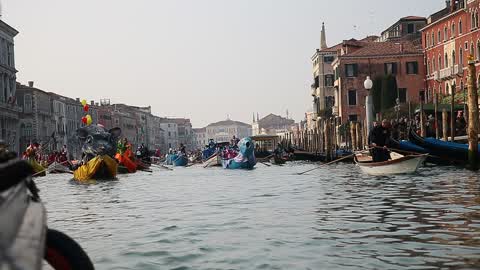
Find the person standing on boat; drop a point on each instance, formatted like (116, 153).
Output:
(182, 150)
(380, 138)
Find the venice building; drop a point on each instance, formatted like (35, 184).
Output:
(9, 110)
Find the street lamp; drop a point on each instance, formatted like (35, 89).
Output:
(368, 84)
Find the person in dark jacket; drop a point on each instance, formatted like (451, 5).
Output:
(379, 138)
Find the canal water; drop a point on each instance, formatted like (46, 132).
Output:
(270, 218)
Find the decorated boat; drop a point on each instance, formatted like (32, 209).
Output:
(245, 158)
(278, 160)
(26, 240)
(98, 168)
(125, 163)
(38, 169)
(99, 148)
(451, 151)
(399, 164)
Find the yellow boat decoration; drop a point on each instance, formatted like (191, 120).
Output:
(100, 167)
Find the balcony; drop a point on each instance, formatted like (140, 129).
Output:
(436, 75)
(446, 73)
(458, 70)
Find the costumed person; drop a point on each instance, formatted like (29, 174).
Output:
(379, 138)
(182, 150)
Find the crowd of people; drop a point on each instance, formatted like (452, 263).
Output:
(431, 125)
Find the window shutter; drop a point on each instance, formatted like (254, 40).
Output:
(415, 67)
(355, 70)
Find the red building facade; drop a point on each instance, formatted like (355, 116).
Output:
(402, 59)
(452, 34)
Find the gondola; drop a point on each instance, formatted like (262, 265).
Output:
(451, 151)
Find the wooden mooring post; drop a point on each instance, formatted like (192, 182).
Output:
(473, 123)
(436, 116)
(422, 121)
(452, 114)
(445, 124)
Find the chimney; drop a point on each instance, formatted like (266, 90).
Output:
(30, 84)
(453, 5)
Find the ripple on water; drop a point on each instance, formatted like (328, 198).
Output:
(270, 218)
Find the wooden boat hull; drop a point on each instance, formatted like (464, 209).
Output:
(99, 168)
(404, 165)
(234, 165)
(56, 168)
(214, 161)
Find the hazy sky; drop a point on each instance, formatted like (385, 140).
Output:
(201, 59)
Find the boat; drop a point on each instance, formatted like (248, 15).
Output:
(399, 164)
(214, 161)
(245, 158)
(98, 168)
(177, 160)
(26, 240)
(278, 160)
(58, 167)
(451, 151)
(125, 164)
(38, 169)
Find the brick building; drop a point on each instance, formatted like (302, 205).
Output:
(451, 35)
(358, 59)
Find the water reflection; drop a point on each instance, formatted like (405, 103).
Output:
(270, 218)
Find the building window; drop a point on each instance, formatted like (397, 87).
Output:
(428, 67)
(439, 38)
(460, 57)
(328, 59)
(433, 65)
(351, 70)
(446, 60)
(402, 95)
(472, 51)
(390, 68)
(478, 50)
(426, 40)
(412, 67)
(460, 27)
(27, 103)
(352, 97)
(433, 40)
(353, 118)
(410, 28)
(453, 29)
(453, 58)
(439, 62)
(445, 33)
(329, 80)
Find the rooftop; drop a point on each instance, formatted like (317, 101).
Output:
(228, 122)
(385, 49)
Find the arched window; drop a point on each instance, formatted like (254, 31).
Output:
(439, 62)
(460, 27)
(476, 19)
(453, 30)
(478, 50)
(472, 51)
(433, 40)
(472, 19)
(447, 89)
(445, 64)
(445, 33)
(460, 57)
(426, 40)
(453, 58)
(439, 37)
(428, 66)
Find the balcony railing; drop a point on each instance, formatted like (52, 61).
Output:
(457, 70)
(436, 75)
(446, 73)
